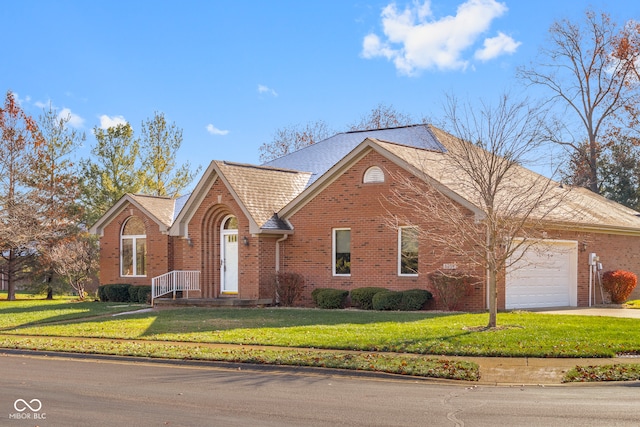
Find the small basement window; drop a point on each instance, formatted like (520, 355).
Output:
(372, 175)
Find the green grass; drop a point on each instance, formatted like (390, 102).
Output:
(632, 304)
(35, 310)
(617, 372)
(519, 333)
(349, 339)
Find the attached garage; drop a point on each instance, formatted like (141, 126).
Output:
(546, 275)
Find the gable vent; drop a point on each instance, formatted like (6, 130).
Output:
(372, 175)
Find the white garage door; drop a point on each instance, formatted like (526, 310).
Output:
(545, 276)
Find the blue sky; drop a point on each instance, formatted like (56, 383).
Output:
(231, 72)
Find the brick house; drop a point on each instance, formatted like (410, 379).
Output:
(323, 212)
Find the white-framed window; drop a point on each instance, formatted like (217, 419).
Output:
(341, 252)
(408, 251)
(373, 175)
(133, 248)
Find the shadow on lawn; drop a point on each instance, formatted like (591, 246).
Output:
(35, 315)
(198, 320)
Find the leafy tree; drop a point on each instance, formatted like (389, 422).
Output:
(485, 150)
(620, 166)
(591, 71)
(159, 147)
(54, 177)
(289, 139)
(19, 221)
(111, 172)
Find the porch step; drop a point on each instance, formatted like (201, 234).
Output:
(212, 302)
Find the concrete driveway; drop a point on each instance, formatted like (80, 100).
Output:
(600, 310)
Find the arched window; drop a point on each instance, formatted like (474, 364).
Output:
(372, 175)
(133, 248)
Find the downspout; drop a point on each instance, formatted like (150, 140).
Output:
(282, 239)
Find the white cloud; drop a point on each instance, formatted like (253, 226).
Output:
(415, 40)
(265, 89)
(106, 122)
(215, 131)
(74, 120)
(496, 46)
(41, 104)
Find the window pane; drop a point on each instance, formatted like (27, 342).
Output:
(127, 257)
(408, 250)
(343, 252)
(141, 257)
(231, 223)
(134, 227)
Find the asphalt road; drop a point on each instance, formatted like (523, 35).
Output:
(62, 391)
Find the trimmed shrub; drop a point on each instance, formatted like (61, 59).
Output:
(133, 294)
(414, 299)
(144, 294)
(451, 288)
(387, 300)
(363, 297)
(114, 293)
(287, 288)
(330, 298)
(619, 284)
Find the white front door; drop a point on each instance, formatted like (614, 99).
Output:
(229, 257)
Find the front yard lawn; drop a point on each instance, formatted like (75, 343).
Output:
(393, 342)
(519, 333)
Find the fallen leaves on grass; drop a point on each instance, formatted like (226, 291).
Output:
(593, 373)
(404, 364)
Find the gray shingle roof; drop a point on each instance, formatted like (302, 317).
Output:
(321, 156)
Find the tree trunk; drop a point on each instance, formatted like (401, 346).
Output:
(11, 285)
(493, 299)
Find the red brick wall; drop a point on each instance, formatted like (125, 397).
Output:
(157, 250)
(348, 203)
(204, 254)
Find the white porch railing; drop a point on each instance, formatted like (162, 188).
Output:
(173, 282)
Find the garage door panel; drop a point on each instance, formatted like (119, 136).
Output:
(545, 276)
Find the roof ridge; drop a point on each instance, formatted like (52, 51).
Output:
(269, 168)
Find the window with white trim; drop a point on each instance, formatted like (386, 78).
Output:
(408, 251)
(133, 248)
(341, 252)
(373, 175)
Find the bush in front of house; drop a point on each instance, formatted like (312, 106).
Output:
(450, 289)
(414, 299)
(143, 294)
(114, 293)
(287, 288)
(329, 298)
(363, 297)
(387, 300)
(619, 284)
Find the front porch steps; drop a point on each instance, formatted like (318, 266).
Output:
(212, 302)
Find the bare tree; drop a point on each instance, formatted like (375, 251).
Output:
(289, 139)
(591, 70)
(76, 259)
(483, 206)
(382, 117)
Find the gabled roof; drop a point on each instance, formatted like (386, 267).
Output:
(161, 210)
(574, 207)
(318, 158)
(270, 194)
(260, 192)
